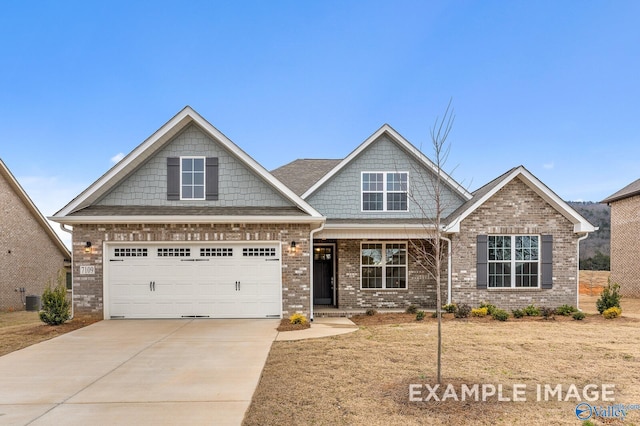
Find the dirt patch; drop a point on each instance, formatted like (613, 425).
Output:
(363, 377)
(285, 325)
(21, 329)
(592, 282)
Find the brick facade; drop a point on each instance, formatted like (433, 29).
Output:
(88, 289)
(516, 209)
(625, 245)
(28, 256)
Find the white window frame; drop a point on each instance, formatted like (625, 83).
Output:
(384, 266)
(513, 263)
(384, 191)
(204, 177)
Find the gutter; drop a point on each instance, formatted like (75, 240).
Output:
(65, 229)
(151, 219)
(311, 234)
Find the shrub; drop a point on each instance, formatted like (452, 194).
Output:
(613, 312)
(578, 316)
(547, 313)
(565, 310)
(490, 308)
(500, 315)
(609, 298)
(449, 308)
(371, 312)
(531, 311)
(434, 314)
(56, 309)
(412, 309)
(462, 311)
(420, 315)
(479, 312)
(297, 319)
(517, 313)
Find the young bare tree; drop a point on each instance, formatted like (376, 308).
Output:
(431, 252)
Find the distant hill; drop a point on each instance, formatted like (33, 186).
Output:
(599, 215)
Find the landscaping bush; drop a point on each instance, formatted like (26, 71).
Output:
(613, 312)
(420, 315)
(56, 309)
(500, 315)
(609, 298)
(412, 309)
(490, 308)
(547, 313)
(565, 310)
(462, 311)
(434, 314)
(297, 319)
(532, 311)
(479, 312)
(578, 316)
(449, 308)
(517, 313)
(371, 312)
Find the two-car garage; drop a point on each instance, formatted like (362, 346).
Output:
(178, 280)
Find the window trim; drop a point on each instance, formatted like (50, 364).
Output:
(384, 266)
(385, 192)
(204, 177)
(513, 261)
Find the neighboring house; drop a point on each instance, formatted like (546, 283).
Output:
(625, 238)
(189, 225)
(31, 253)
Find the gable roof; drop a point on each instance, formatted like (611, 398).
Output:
(302, 174)
(482, 194)
(403, 143)
(26, 200)
(628, 191)
(151, 146)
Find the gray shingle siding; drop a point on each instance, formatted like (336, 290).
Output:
(237, 185)
(341, 196)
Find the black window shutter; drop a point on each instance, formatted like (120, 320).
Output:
(547, 261)
(173, 178)
(211, 189)
(482, 271)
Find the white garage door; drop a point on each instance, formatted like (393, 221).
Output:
(193, 280)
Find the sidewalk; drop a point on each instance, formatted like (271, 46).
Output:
(320, 327)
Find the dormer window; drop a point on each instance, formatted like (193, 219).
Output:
(192, 178)
(385, 191)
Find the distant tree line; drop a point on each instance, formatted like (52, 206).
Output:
(594, 251)
(598, 262)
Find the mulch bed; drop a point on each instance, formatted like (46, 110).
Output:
(285, 325)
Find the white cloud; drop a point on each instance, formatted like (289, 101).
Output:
(116, 158)
(548, 165)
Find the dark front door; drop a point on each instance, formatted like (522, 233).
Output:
(323, 275)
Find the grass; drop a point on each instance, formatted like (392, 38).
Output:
(21, 329)
(363, 377)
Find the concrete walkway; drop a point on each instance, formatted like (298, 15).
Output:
(145, 372)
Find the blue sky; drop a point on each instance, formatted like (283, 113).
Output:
(551, 85)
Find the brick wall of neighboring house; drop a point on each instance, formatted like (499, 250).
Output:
(421, 288)
(516, 209)
(625, 245)
(88, 290)
(28, 257)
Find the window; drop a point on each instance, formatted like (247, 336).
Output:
(258, 252)
(216, 252)
(192, 178)
(514, 261)
(383, 265)
(174, 252)
(130, 252)
(384, 191)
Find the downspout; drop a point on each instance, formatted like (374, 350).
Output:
(448, 268)
(578, 270)
(71, 232)
(311, 234)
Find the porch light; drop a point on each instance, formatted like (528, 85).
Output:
(87, 247)
(292, 247)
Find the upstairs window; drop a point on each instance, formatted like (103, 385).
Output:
(385, 191)
(192, 178)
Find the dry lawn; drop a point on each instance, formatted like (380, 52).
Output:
(363, 378)
(21, 329)
(592, 282)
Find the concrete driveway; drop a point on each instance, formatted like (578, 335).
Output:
(138, 372)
